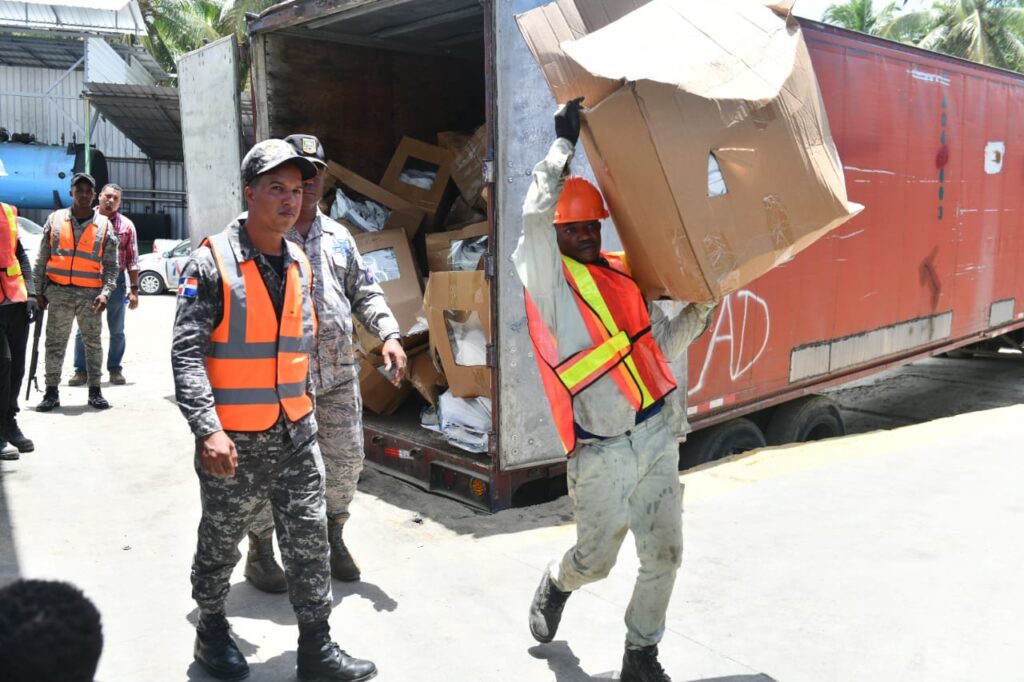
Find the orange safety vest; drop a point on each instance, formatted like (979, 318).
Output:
(77, 265)
(12, 281)
(258, 365)
(619, 324)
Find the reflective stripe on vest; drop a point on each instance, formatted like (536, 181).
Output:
(81, 264)
(12, 282)
(608, 298)
(258, 365)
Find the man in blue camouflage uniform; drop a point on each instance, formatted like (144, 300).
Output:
(241, 469)
(342, 287)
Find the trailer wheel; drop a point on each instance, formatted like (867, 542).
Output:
(721, 440)
(812, 417)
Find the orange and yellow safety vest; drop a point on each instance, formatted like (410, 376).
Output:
(257, 364)
(619, 324)
(12, 281)
(81, 264)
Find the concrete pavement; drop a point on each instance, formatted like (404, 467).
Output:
(884, 556)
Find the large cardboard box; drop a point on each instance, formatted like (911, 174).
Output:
(388, 255)
(380, 396)
(705, 129)
(458, 308)
(439, 247)
(468, 152)
(404, 214)
(414, 154)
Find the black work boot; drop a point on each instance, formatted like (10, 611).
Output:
(321, 660)
(343, 566)
(13, 435)
(546, 609)
(51, 399)
(261, 568)
(7, 454)
(96, 399)
(641, 665)
(216, 651)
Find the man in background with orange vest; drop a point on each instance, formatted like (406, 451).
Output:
(17, 310)
(76, 272)
(243, 334)
(603, 355)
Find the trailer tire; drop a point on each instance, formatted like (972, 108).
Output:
(720, 440)
(812, 417)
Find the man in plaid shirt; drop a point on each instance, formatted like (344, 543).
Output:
(128, 261)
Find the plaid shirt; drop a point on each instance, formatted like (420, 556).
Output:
(127, 241)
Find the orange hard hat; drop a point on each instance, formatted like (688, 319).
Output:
(580, 202)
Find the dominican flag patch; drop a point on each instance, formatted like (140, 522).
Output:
(188, 287)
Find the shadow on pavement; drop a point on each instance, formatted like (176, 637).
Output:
(10, 570)
(566, 667)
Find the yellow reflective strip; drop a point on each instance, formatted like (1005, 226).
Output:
(14, 270)
(593, 361)
(645, 395)
(587, 287)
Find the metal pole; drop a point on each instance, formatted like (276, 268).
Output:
(88, 137)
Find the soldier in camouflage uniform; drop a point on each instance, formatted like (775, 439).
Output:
(69, 302)
(240, 469)
(342, 287)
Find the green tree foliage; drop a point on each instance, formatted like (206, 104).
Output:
(859, 15)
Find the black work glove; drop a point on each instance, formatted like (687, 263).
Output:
(32, 308)
(567, 120)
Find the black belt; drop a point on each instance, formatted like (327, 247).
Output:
(641, 416)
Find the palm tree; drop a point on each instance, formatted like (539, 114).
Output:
(986, 31)
(175, 27)
(859, 15)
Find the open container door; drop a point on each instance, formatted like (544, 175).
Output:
(211, 129)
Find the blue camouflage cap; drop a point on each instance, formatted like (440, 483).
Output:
(267, 155)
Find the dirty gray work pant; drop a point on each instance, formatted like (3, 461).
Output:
(291, 476)
(629, 482)
(64, 306)
(339, 418)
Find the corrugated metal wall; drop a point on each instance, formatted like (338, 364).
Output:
(62, 118)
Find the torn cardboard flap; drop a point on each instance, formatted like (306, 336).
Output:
(458, 308)
(404, 214)
(713, 150)
(388, 256)
(440, 247)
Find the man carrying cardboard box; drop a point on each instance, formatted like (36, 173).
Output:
(342, 286)
(602, 351)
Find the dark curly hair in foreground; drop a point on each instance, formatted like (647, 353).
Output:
(49, 632)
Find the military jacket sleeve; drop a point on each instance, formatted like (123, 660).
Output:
(43, 257)
(194, 321)
(111, 269)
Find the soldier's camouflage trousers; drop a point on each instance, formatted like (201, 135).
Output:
(64, 306)
(292, 478)
(339, 414)
(629, 482)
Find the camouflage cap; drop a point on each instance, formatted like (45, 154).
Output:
(267, 155)
(308, 146)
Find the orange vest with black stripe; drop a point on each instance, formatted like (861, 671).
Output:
(81, 264)
(258, 364)
(12, 281)
(619, 324)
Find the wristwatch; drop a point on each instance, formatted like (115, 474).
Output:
(134, 288)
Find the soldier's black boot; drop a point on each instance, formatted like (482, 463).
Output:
(343, 566)
(641, 665)
(216, 651)
(13, 435)
(51, 399)
(546, 609)
(261, 568)
(321, 660)
(96, 398)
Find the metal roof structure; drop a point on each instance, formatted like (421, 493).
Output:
(62, 53)
(97, 17)
(150, 116)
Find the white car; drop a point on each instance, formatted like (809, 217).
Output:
(30, 234)
(159, 272)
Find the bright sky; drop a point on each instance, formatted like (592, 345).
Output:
(813, 9)
(91, 4)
